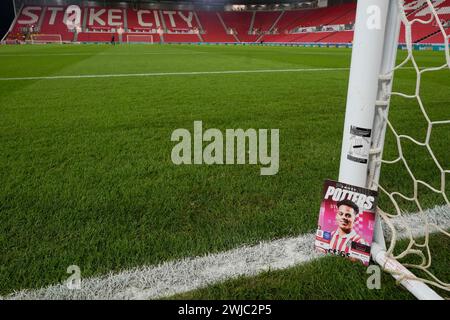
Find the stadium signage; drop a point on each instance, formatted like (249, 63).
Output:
(107, 17)
(362, 200)
(228, 148)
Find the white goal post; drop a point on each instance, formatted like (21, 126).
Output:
(46, 38)
(375, 43)
(140, 38)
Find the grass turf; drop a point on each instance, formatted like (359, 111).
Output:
(86, 176)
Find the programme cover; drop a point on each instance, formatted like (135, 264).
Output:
(346, 221)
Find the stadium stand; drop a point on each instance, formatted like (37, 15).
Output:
(97, 36)
(213, 30)
(52, 23)
(265, 20)
(142, 21)
(240, 23)
(181, 38)
(320, 25)
(424, 33)
(436, 38)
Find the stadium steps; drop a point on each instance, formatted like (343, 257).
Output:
(413, 12)
(41, 18)
(437, 38)
(319, 16)
(200, 36)
(125, 20)
(428, 36)
(327, 36)
(351, 12)
(252, 23)
(214, 31)
(199, 24)
(339, 37)
(272, 26)
(236, 37)
(302, 18)
(432, 34)
(240, 22)
(310, 17)
(289, 23)
(84, 23)
(225, 28)
(310, 37)
(264, 20)
(423, 32)
(163, 22)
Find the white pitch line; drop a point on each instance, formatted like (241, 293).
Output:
(162, 74)
(186, 73)
(312, 53)
(174, 277)
(94, 54)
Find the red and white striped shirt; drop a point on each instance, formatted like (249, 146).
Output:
(343, 243)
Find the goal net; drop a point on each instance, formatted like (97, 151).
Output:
(408, 157)
(46, 38)
(141, 38)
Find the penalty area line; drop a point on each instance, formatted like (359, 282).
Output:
(162, 74)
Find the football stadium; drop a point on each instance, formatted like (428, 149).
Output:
(225, 149)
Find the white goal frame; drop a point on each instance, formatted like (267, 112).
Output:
(374, 52)
(150, 36)
(36, 41)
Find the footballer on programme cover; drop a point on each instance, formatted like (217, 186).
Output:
(346, 221)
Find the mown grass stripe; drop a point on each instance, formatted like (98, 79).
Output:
(160, 74)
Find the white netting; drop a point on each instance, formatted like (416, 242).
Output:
(140, 38)
(413, 15)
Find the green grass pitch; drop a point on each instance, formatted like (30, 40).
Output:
(86, 176)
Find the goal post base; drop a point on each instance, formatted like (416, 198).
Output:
(419, 289)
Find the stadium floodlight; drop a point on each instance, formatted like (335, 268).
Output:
(46, 38)
(140, 38)
(373, 64)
